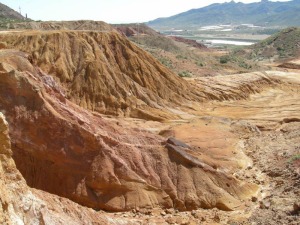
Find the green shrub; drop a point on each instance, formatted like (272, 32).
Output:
(294, 158)
(279, 48)
(224, 59)
(166, 62)
(244, 65)
(185, 74)
(181, 57)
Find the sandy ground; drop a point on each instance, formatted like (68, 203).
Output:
(256, 139)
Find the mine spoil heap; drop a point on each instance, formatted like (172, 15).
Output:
(52, 88)
(104, 72)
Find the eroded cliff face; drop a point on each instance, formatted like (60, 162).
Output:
(20, 204)
(64, 149)
(5, 164)
(105, 72)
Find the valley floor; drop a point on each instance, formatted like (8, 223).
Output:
(256, 139)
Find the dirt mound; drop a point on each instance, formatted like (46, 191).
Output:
(61, 148)
(104, 72)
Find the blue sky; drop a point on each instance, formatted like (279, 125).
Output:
(111, 11)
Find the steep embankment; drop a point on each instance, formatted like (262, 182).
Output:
(64, 149)
(20, 204)
(105, 72)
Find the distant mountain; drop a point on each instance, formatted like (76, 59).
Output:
(8, 13)
(265, 13)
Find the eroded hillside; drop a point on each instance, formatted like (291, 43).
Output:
(66, 150)
(104, 72)
(185, 57)
(20, 204)
(95, 119)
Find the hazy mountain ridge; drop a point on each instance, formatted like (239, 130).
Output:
(265, 13)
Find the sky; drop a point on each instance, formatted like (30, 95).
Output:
(110, 11)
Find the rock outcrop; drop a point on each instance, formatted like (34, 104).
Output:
(64, 149)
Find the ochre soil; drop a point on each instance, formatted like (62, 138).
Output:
(139, 145)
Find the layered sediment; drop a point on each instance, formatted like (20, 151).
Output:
(67, 150)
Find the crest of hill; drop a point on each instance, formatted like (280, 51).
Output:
(61, 25)
(105, 72)
(134, 29)
(146, 36)
(264, 13)
(8, 13)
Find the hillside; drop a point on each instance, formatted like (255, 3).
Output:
(74, 152)
(7, 13)
(285, 44)
(185, 57)
(278, 47)
(146, 36)
(132, 82)
(92, 124)
(264, 13)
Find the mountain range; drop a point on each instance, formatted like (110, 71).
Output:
(264, 13)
